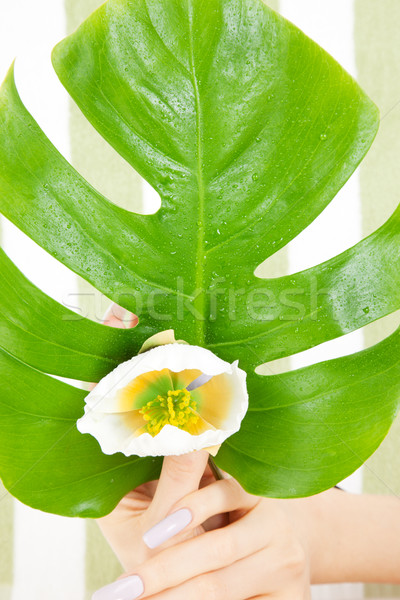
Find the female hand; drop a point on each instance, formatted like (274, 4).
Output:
(261, 553)
(251, 548)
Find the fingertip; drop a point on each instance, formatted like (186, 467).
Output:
(119, 317)
(115, 322)
(134, 320)
(185, 464)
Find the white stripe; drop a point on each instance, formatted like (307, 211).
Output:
(49, 556)
(340, 591)
(28, 32)
(151, 200)
(49, 551)
(331, 24)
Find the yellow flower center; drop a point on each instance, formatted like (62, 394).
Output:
(176, 408)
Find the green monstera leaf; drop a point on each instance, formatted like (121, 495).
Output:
(247, 130)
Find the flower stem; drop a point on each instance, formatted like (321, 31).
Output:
(215, 470)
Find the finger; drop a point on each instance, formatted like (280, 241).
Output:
(264, 574)
(224, 496)
(242, 580)
(208, 552)
(259, 577)
(217, 498)
(119, 317)
(180, 475)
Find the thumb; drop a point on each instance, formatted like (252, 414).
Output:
(180, 475)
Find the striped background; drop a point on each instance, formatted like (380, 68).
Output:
(43, 556)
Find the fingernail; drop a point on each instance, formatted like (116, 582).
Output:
(120, 313)
(128, 588)
(167, 528)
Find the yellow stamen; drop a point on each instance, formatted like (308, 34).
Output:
(176, 408)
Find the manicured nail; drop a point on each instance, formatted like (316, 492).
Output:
(128, 588)
(118, 312)
(167, 528)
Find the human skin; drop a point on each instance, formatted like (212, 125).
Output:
(253, 551)
(238, 546)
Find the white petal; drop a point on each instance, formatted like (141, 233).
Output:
(103, 420)
(175, 357)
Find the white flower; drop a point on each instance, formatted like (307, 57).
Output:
(143, 407)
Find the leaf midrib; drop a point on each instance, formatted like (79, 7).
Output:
(199, 300)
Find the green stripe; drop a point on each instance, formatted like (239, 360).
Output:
(101, 565)
(111, 175)
(94, 158)
(6, 535)
(6, 543)
(274, 4)
(97, 162)
(378, 62)
(275, 266)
